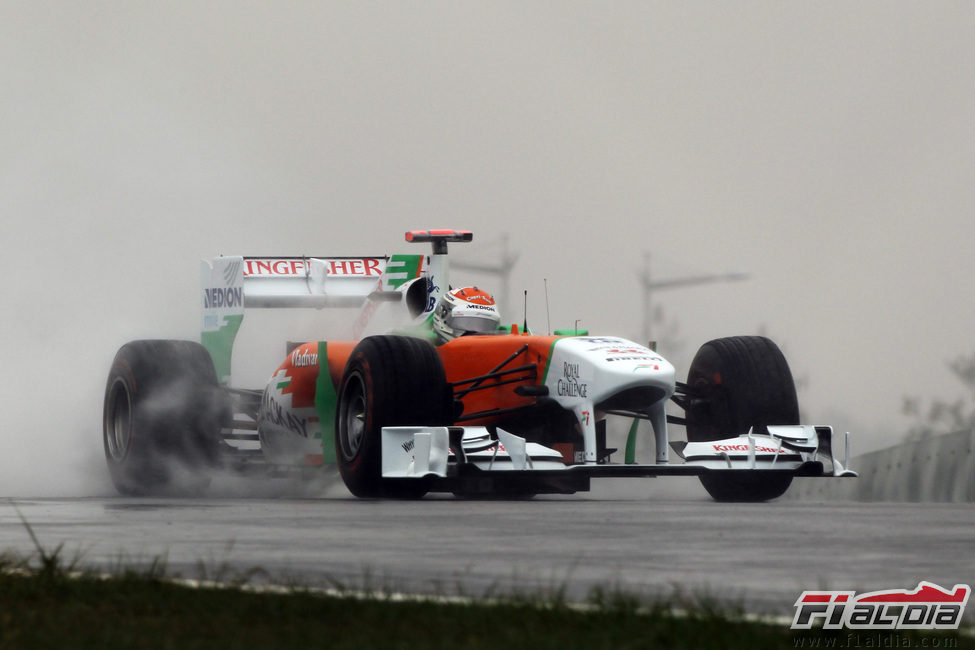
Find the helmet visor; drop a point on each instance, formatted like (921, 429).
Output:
(478, 324)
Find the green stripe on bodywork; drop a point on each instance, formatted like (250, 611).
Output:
(408, 266)
(630, 456)
(326, 401)
(220, 345)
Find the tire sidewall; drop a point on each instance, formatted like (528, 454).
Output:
(365, 461)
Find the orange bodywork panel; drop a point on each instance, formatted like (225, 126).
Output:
(338, 355)
(468, 357)
(472, 356)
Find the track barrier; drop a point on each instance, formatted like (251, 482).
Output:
(932, 468)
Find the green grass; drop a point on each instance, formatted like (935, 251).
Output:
(47, 606)
(39, 611)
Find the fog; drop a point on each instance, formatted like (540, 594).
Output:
(823, 149)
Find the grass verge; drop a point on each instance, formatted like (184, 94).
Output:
(49, 606)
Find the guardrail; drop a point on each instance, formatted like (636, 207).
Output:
(934, 468)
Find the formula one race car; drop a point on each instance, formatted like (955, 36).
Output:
(448, 400)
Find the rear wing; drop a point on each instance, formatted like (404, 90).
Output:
(315, 282)
(231, 285)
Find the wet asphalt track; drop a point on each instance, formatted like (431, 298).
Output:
(618, 535)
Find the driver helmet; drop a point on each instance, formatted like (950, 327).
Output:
(465, 311)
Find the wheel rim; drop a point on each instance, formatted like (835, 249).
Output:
(352, 422)
(118, 421)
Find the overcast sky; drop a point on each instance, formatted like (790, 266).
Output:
(825, 149)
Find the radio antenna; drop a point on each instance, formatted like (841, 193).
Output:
(548, 317)
(525, 327)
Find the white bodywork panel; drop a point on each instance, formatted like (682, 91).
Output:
(587, 370)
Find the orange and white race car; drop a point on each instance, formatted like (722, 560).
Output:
(448, 399)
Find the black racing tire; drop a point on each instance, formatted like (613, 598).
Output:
(163, 414)
(738, 384)
(507, 495)
(732, 486)
(387, 381)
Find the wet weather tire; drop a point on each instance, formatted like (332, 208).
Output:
(388, 381)
(737, 384)
(733, 486)
(162, 418)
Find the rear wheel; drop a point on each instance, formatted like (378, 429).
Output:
(388, 381)
(739, 384)
(163, 413)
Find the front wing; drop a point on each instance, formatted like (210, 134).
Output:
(471, 459)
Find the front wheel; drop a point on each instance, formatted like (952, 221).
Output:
(388, 381)
(736, 486)
(738, 384)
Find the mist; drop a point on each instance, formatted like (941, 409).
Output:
(825, 150)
